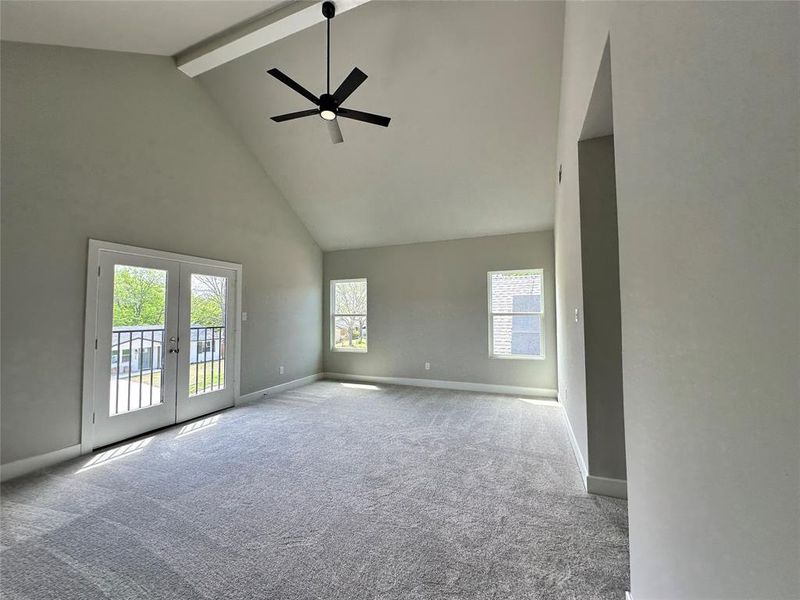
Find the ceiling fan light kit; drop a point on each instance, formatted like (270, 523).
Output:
(329, 106)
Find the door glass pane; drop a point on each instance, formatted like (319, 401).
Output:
(208, 328)
(137, 338)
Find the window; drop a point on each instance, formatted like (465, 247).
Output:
(349, 315)
(516, 313)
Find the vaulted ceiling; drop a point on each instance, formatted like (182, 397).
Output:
(472, 89)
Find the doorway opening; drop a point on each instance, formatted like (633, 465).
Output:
(601, 291)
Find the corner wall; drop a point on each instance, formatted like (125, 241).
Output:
(428, 302)
(706, 123)
(124, 148)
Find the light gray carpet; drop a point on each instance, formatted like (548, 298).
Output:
(325, 492)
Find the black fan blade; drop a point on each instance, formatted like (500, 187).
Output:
(362, 116)
(336, 133)
(294, 85)
(349, 85)
(295, 115)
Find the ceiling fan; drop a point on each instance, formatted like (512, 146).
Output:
(329, 106)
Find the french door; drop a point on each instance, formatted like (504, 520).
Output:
(165, 339)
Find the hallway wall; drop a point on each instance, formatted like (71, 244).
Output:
(706, 123)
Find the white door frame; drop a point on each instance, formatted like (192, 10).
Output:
(90, 323)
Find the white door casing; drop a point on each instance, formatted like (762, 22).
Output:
(103, 424)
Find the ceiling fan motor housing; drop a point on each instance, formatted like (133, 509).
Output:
(327, 107)
(328, 10)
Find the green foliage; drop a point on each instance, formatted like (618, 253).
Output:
(208, 300)
(207, 311)
(138, 296)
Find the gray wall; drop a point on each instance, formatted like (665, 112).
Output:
(427, 302)
(706, 124)
(124, 148)
(601, 310)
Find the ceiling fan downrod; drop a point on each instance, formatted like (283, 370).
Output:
(329, 11)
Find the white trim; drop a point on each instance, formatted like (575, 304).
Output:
(333, 314)
(34, 463)
(628, 596)
(576, 449)
(281, 387)
(593, 484)
(466, 386)
(254, 35)
(89, 337)
(137, 251)
(41, 461)
(492, 315)
(90, 322)
(607, 486)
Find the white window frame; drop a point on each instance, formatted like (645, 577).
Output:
(333, 315)
(491, 316)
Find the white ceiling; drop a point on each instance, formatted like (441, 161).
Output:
(147, 26)
(473, 92)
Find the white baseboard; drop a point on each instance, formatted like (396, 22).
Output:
(628, 596)
(281, 387)
(28, 465)
(606, 486)
(576, 449)
(465, 386)
(34, 463)
(603, 486)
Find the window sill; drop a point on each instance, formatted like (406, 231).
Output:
(349, 350)
(500, 357)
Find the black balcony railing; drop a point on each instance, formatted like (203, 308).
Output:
(207, 360)
(137, 364)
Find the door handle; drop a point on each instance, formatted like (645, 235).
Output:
(174, 350)
(173, 340)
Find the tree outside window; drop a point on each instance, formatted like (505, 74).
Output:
(349, 315)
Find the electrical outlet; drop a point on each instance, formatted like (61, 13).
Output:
(280, 370)
(244, 316)
(427, 366)
(577, 314)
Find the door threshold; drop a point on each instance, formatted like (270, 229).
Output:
(153, 432)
